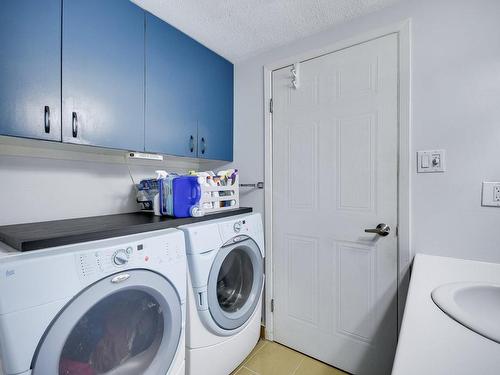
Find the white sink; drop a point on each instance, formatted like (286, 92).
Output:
(474, 305)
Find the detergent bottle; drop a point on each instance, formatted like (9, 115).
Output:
(179, 195)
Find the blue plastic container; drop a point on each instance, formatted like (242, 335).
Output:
(178, 194)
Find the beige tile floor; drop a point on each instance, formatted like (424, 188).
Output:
(270, 358)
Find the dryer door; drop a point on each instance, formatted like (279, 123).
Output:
(127, 323)
(235, 283)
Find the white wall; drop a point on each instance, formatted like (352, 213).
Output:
(42, 181)
(456, 106)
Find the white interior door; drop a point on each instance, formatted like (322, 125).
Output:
(335, 152)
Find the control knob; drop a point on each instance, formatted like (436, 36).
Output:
(237, 226)
(120, 257)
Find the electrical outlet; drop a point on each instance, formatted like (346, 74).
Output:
(491, 194)
(496, 193)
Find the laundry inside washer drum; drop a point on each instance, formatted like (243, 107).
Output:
(234, 282)
(126, 326)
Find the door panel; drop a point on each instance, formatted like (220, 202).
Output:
(30, 68)
(355, 290)
(103, 73)
(356, 161)
(335, 174)
(171, 89)
(303, 292)
(215, 101)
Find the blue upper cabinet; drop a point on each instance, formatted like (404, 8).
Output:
(30, 68)
(215, 106)
(129, 80)
(171, 89)
(189, 95)
(103, 73)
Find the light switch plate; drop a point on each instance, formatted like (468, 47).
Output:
(491, 194)
(431, 161)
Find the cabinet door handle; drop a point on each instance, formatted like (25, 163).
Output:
(203, 145)
(46, 119)
(74, 125)
(191, 143)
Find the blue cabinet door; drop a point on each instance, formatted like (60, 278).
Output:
(171, 79)
(30, 68)
(215, 117)
(103, 73)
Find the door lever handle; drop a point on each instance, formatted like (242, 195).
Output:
(381, 229)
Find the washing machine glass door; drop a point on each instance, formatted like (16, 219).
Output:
(129, 323)
(235, 283)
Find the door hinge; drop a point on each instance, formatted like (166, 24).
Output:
(271, 105)
(397, 230)
(272, 305)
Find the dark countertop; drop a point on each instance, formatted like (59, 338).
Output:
(33, 236)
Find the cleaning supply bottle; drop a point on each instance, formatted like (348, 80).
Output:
(160, 178)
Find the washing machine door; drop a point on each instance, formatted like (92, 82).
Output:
(129, 323)
(235, 283)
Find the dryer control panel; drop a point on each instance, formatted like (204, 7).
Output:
(232, 228)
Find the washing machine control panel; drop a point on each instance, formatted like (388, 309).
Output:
(148, 253)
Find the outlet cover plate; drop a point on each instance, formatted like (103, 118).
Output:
(490, 194)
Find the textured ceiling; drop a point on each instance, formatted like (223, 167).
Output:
(238, 29)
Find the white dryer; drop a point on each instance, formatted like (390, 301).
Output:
(114, 306)
(224, 294)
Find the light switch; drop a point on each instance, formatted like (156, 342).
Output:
(425, 161)
(491, 194)
(431, 161)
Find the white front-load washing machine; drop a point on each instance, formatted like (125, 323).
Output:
(224, 294)
(113, 306)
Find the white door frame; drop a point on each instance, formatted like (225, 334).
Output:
(403, 29)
